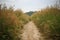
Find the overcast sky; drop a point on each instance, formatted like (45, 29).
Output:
(28, 5)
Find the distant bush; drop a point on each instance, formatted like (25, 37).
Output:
(48, 22)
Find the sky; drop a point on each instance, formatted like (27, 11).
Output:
(28, 5)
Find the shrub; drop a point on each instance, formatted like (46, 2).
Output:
(48, 22)
(10, 26)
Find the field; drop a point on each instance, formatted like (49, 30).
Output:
(39, 25)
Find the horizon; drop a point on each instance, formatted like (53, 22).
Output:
(28, 5)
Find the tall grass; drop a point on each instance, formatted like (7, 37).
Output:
(11, 24)
(48, 22)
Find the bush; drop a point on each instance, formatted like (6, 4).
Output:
(11, 23)
(23, 18)
(48, 22)
(10, 26)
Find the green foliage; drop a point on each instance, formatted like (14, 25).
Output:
(30, 13)
(22, 17)
(48, 22)
(9, 26)
(11, 23)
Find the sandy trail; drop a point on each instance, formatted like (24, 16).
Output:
(30, 32)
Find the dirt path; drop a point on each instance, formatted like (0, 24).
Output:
(30, 32)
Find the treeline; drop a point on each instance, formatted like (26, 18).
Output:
(11, 23)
